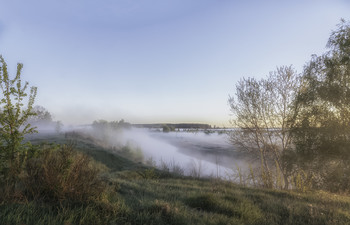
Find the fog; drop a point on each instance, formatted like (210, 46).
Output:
(196, 153)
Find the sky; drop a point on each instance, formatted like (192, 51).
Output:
(157, 61)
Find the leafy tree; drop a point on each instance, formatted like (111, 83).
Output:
(41, 116)
(123, 124)
(261, 115)
(13, 120)
(108, 131)
(322, 114)
(167, 128)
(103, 125)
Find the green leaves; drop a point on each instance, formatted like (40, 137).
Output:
(322, 129)
(13, 120)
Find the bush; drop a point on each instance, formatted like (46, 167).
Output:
(14, 125)
(167, 128)
(63, 175)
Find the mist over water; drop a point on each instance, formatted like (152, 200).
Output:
(196, 153)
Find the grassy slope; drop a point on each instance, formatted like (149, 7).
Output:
(146, 196)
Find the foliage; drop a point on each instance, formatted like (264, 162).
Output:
(41, 116)
(103, 125)
(13, 122)
(132, 152)
(62, 186)
(42, 119)
(322, 112)
(63, 175)
(59, 186)
(167, 128)
(107, 131)
(135, 196)
(262, 113)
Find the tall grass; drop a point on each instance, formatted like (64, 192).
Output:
(63, 175)
(59, 186)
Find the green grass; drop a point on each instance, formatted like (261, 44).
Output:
(44, 213)
(218, 202)
(140, 195)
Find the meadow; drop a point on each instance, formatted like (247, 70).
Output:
(134, 193)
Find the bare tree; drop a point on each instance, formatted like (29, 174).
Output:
(262, 115)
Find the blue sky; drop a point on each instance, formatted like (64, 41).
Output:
(156, 61)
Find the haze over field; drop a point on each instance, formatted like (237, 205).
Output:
(170, 112)
(193, 152)
(156, 61)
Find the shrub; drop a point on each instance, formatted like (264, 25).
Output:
(167, 128)
(132, 152)
(14, 124)
(63, 175)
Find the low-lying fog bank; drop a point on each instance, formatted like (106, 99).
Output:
(199, 153)
(196, 153)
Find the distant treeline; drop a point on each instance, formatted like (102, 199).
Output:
(114, 125)
(174, 125)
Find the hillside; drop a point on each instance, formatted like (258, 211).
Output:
(143, 195)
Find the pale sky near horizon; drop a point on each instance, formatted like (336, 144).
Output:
(156, 61)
